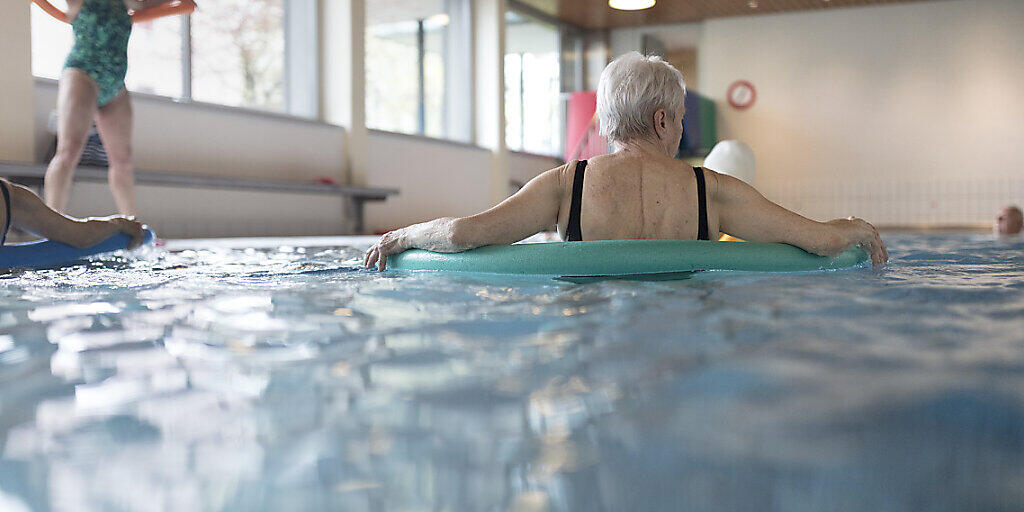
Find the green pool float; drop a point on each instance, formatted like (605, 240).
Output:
(643, 259)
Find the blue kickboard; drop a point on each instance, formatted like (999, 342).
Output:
(47, 253)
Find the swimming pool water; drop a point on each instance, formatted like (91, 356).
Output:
(226, 379)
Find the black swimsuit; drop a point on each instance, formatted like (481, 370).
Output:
(7, 212)
(573, 232)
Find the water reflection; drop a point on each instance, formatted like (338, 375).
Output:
(221, 379)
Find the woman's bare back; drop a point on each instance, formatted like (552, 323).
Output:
(629, 196)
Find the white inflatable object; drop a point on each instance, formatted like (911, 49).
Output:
(734, 158)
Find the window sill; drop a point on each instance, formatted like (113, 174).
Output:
(167, 100)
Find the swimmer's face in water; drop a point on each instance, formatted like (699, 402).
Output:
(1010, 221)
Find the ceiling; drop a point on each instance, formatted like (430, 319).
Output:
(596, 13)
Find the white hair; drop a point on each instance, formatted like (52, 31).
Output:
(632, 88)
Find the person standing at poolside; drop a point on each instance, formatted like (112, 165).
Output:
(92, 89)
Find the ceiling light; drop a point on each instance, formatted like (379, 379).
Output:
(752, 4)
(631, 5)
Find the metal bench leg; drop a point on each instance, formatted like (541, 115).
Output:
(354, 218)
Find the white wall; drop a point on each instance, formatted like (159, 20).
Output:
(903, 114)
(489, 90)
(342, 85)
(16, 83)
(683, 35)
(437, 179)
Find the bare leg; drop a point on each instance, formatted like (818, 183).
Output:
(114, 121)
(76, 102)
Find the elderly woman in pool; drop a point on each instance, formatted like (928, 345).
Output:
(638, 192)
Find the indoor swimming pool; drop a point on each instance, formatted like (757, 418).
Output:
(216, 376)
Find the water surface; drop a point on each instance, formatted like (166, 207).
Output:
(227, 379)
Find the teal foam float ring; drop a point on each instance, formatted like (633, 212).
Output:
(616, 258)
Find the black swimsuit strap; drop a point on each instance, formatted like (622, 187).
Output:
(573, 232)
(702, 205)
(7, 212)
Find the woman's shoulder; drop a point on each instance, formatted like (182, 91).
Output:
(603, 160)
(565, 172)
(609, 163)
(724, 187)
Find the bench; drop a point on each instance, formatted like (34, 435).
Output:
(355, 198)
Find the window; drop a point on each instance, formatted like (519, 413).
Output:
(533, 106)
(229, 52)
(51, 42)
(428, 41)
(238, 53)
(155, 57)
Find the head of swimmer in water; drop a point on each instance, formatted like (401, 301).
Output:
(640, 102)
(1010, 221)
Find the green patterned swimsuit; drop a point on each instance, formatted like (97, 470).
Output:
(102, 29)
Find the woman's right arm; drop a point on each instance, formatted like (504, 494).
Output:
(743, 212)
(528, 211)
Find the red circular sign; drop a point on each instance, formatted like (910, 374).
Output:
(741, 94)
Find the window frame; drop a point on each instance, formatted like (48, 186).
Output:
(566, 32)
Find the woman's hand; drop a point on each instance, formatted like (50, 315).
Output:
(438, 235)
(94, 230)
(392, 242)
(859, 232)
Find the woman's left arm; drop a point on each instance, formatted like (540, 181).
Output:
(528, 211)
